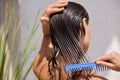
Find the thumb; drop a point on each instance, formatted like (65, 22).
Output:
(105, 63)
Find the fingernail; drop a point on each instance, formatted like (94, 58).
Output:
(97, 62)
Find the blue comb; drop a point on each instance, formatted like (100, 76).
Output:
(92, 65)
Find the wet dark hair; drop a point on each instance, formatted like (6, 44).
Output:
(67, 35)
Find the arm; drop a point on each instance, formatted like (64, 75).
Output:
(40, 66)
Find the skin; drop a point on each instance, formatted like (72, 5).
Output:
(40, 66)
(111, 60)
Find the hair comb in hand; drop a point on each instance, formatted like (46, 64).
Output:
(92, 66)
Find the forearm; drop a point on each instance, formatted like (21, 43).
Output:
(45, 26)
(45, 43)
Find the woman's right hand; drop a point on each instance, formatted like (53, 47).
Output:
(53, 8)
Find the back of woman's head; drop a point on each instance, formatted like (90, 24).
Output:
(66, 27)
(67, 33)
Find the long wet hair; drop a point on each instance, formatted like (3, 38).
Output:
(67, 35)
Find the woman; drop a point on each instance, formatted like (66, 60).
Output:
(66, 39)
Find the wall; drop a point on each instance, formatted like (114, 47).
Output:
(104, 22)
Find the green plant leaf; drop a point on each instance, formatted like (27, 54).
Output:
(7, 41)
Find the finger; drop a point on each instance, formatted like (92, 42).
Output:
(56, 10)
(61, 1)
(50, 11)
(104, 58)
(57, 5)
(104, 63)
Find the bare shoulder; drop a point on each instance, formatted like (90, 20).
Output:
(40, 67)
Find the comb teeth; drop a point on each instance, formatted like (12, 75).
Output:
(92, 65)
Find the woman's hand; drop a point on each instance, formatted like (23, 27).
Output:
(112, 61)
(53, 8)
(40, 66)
